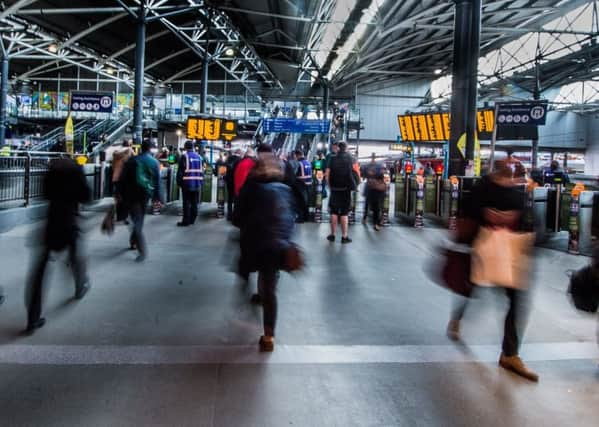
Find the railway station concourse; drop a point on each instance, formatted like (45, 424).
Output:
(434, 93)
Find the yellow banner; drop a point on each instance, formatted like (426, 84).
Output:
(69, 135)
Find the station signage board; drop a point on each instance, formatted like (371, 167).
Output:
(527, 113)
(91, 102)
(290, 125)
(434, 127)
(211, 128)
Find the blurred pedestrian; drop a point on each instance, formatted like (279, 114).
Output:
(243, 169)
(190, 177)
(428, 170)
(375, 191)
(304, 178)
(341, 181)
(119, 158)
(65, 187)
(141, 182)
(264, 213)
(497, 206)
(232, 161)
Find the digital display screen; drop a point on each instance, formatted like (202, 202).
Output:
(211, 129)
(434, 127)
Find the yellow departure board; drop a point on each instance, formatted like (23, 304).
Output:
(211, 129)
(434, 127)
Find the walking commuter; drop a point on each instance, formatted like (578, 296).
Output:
(428, 170)
(243, 169)
(333, 152)
(304, 178)
(341, 182)
(65, 188)
(264, 213)
(497, 206)
(375, 192)
(190, 177)
(232, 161)
(119, 158)
(141, 182)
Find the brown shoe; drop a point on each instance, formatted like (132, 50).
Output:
(516, 365)
(267, 343)
(453, 330)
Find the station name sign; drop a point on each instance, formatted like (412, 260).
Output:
(434, 127)
(525, 113)
(211, 129)
(290, 125)
(91, 102)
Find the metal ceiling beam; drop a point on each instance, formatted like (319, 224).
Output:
(92, 29)
(77, 10)
(11, 10)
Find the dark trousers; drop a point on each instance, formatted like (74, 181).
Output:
(190, 206)
(267, 288)
(230, 200)
(513, 321)
(304, 215)
(137, 212)
(35, 286)
(121, 207)
(375, 201)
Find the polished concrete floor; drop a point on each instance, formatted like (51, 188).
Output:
(172, 341)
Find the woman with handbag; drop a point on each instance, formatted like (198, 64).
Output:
(500, 257)
(375, 192)
(265, 214)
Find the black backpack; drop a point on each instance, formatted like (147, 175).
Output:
(584, 289)
(341, 177)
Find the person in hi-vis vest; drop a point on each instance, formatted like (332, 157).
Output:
(304, 177)
(190, 178)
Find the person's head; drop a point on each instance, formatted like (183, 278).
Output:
(554, 165)
(502, 169)
(373, 157)
(188, 146)
(238, 152)
(267, 168)
(126, 143)
(334, 147)
(342, 147)
(429, 165)
(264, 150)
(146, 145)
(299, 154)
(249, 152)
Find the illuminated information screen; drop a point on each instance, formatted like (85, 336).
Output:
(434, 127)
(211, 129)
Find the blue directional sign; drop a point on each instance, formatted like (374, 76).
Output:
(91, 102)
(287, 125)
(527, 113)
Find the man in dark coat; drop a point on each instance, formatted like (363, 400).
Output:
(65, 188)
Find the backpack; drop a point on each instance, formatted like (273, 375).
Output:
(341, 173)
(584, 289)
(145, 177)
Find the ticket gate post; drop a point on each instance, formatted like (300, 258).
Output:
(318, 190)
(419, 203)
(207, 185)
(454, 194)
(386, 199)
(220, 196)
(352, 209)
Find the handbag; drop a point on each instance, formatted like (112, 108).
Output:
(455, 273)
(292, 259)
(584, 289)
(376, 184)
(107, 226)
(500, 257)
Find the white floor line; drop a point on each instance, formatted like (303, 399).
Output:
(284, 354)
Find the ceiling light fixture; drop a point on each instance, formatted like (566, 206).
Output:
(230, 51)
(53, 48)
(438, 71)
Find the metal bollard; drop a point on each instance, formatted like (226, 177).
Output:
(419, 220)
(454, 188)
(573, 224)
(220, 196)
(386, 201)
(318, 187)
(352, 209)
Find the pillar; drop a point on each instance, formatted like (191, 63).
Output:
(466, 50)
(3, 96)
(536, 94)
(140, 51)
(204, 94)
(325, 102)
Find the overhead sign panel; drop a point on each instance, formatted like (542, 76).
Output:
(290, 125)
(211, 129)
(434, 127)
(528, 113)
(91, 102)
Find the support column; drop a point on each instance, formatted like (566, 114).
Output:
(140, 51)
(204, 89)
(3, 96)
(225, 97)
(464, 85)
(245, 105)
(536, 95)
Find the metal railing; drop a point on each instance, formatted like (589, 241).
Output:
(22, 176)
